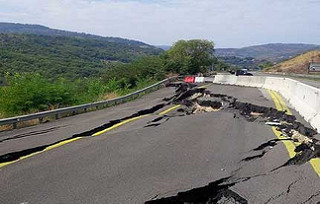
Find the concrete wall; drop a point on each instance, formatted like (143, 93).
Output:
(303, 98)
(199, 79)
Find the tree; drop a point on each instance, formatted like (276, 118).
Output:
(219, 65)
(190, 57)
(265, 65)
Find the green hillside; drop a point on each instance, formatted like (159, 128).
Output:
(43, 30)
(70, 57)
(56, 53)
(47, 72)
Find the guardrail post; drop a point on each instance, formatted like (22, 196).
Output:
(57, 116)
(85, 110)
(40, 120)
(15, 125)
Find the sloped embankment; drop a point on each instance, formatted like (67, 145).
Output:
(298, 65)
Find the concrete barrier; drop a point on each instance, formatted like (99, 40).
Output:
(250, 81)
(199, 79)
(225, 79)
(306, 100)
(208, 79)
(315, 122)
(303, 98)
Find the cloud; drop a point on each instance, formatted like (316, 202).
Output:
(230, 23)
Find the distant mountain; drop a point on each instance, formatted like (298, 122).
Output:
(275, 52)
(243, 62)
(56, 53)
(164, 47)
(297, 64)
(43, 30)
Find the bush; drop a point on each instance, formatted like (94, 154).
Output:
(32, 92)
(128, 75)
(26, 93)
(90, 90)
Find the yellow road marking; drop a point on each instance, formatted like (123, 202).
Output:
(275, 100)
(119, 124)
(169, 109)
(46, 149)
(204, 86)
(94, 135)
(62, 143)
(287, 143)
(315, 163)
(69, 141)
(281, 106)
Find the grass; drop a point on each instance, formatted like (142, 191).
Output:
(298, 65)
(30, 93)
(140, 84)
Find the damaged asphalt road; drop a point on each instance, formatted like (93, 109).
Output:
(217, 147)
(190, 97)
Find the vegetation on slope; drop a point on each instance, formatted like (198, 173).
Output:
(43, 30)
(244, 62)
(26, 92)
(59, 56)
(190, 57)
(297, 65)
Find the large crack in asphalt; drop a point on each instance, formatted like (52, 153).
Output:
(215, 192)
(199, 100)
(32, 133)
(195, 100)
(286, 192)
(255, 156)
(270, 143)
(17, 155)
(288, 125)
(182, 91)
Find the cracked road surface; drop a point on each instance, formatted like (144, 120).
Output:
(163, 157)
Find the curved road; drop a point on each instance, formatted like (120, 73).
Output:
(141, 160)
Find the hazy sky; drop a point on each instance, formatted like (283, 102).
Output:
(229, 23)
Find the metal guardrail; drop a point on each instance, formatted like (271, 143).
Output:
(74, 109)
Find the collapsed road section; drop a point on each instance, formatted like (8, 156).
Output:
(194, 100)
(198, 100)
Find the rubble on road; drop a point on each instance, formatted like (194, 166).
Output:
(199, 100)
